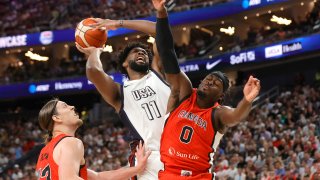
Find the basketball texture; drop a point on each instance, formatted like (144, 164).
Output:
(86, 36)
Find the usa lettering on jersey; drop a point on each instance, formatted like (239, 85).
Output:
(143, 93)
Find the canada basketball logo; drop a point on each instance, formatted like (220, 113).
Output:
(172, 151)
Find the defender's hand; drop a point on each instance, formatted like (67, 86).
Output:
(251, 89)
(142, 157)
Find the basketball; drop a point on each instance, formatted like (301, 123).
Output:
(87, 36)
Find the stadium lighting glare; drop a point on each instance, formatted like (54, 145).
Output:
(126, 38)
(184, 28)
(151, 40)
(230, 30)
(207, 31)
(280, 20)
(108, 48)
(36, 57)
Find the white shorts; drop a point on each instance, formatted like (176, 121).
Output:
(154, 165)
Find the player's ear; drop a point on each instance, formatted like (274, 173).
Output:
(125, 64)
(56, 118)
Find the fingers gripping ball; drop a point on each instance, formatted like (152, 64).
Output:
(88, 36)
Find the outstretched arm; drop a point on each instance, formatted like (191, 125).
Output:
(232, 116)
(123, 173)
(147, 27)
(109, 89)
(179, 83)
(144, 26)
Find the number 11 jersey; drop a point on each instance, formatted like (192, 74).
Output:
(144, 106)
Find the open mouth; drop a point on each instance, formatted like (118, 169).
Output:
(140, 59)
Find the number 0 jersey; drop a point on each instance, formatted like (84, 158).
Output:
(47, 169)
(144, 106)
(189, 140)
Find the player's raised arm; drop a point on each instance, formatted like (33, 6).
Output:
(232, 116)
(179, 83)
(144, 26)
(109, 89)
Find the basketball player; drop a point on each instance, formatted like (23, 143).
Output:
(63, 156)
(197, 121)
(142, 100)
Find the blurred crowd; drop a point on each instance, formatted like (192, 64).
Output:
(29, 16)
(200, 45)
(279, 140)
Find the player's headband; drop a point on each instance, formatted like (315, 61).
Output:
(223, 78)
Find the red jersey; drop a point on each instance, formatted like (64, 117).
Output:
(47, 169)
(189, 141)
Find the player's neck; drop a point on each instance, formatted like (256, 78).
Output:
(203, 103)
(134, 75)
(57, 132)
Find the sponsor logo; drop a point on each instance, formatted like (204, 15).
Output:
(248, 3)
(13, 41)
(38, 88)
(143, 93)
(68, 85)
(186, 173)
(173, 152)
(291, 47)
(190, 68)
(46, 37)
(280, 49)
(273, 51)
(209, 65)
(243, 57)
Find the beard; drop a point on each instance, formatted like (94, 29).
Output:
(201, 94)
(139, 67)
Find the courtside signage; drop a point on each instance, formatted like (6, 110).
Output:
(254, 55)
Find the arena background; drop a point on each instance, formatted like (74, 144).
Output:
(275, 40)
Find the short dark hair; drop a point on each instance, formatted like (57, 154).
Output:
(124, 54)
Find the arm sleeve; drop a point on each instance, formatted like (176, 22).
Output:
(165, 45)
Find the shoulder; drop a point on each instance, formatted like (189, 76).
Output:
(70, 147)
(70, 142)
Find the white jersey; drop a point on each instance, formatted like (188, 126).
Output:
(144, 106)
